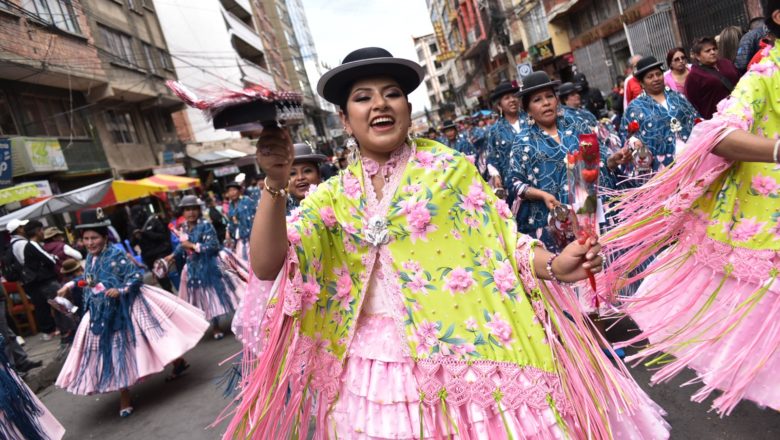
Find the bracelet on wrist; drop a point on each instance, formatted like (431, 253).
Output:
(275, 192)
(550, 272)
(776, 153)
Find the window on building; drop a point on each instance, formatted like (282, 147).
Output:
(7, 122)
(60, 13)
(165, 60)
(437, 64)
(442, 80)
(46, 116)
(120, 125)
(535, 24)
(420, 54)
(433, 48)
(149, 57)
(428, 84)
(119, 44)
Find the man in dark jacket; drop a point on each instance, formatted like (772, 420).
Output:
(40, 282)
(13, 351)
(749, 45)
(592, 99)
(154, 239)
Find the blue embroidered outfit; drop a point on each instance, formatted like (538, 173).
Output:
(22, 415)
(122, 339)
(538, 161)
(206, 283)
(253, 192)
(499, 144)
(478, 138)
(657, 124)
(242, 216)
(461, 144)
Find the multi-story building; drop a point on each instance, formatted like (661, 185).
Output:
(474, 35)
(288, 21)
(603, 34)
(215, 44)
(82, 93)
(436, 79)
(325, 119)
(534, 41)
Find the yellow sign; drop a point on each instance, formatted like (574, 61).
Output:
(18, 192)
(37, 155)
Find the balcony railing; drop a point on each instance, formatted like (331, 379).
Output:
(84, 155)
(244, 32)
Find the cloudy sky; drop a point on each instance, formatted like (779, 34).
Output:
(341, 26)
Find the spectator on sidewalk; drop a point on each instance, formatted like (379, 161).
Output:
(711, 79)
(631, 88)
(13, 351)
(750, 43)
(18, 239)
(592, 99)
(40, 281)
(55, 245)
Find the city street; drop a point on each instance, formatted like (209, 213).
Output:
(182, 409)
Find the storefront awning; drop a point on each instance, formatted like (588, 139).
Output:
(66, 202)
(170, 183)
(560, 9)
(18, 193)
(215, 157)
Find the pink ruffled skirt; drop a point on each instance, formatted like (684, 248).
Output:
(206, 299)
(181, 327)
(380, 399)
(721, 326)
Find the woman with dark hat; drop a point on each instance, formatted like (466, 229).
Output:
(502, 133)
(129, 330)
(663, 117)
(711, 300)
(304, 174)
(537, 173)
(457, 141)
(398, 302)
(22, 415)
(206, 282)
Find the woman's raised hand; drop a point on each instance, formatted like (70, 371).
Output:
(576, 260)
(275, 155)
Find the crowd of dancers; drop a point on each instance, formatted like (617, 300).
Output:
(426, 290)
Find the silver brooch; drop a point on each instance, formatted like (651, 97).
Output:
(376, 232)
(675, 126)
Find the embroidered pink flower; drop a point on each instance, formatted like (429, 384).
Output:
(471, 158)
(351, 185)
(504, 277)
(464, 349)
(293, 236)
(295, 215)
(503, 209)
(456, 234)
(349, 228)
(411, 266)
(776, 229)
(764, 185)
(746, 229)
(500, 329)
(471, 324)
(418, 284)
(328, 217)
(459, 280)
(320, 343)
(412, 188)
(349, 246)
(475, 199)
(471, 222)
(426, 336)
(310, 292)
(419, 219)
(426, 159)
(343, 288)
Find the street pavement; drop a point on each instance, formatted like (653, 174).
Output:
(182, 409)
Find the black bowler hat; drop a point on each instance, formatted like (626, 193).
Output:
(503, 88)
(537, 81)
(448, 124)
(645, 65)
(366, 63)
(189, 201)
(93, 218)
(234, 184)
(306, 153)
(567, 89)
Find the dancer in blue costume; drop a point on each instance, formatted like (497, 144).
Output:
(663, 116)
(22, 415)
(206, 282)
(456, 141)
(241, 213)
(129, 330)
(537, 179)
(502, 134)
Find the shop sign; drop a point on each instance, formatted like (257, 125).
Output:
(6, 170)
(524, 69)
(171, 170)
(17, 193)
(543, 50)
(36, 155)
(226, 170)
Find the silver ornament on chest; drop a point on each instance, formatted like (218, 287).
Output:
(376, 231)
